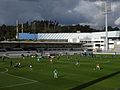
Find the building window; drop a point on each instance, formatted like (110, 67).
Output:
(97, 45)
(96, 41)
(111, 43)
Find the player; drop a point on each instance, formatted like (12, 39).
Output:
(23, 57)
(51, 60)
(11, 63)
(77, 63)
(19, 64)
(55, 72)
(98, 67)
(30, 67)
(114, 54)
(38, 59)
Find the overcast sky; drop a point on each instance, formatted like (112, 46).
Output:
(64, 11)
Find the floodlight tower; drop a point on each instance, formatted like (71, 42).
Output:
(34, 29)
(106, 27)
(107, 9)
(17, 29)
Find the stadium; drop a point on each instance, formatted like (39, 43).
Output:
(60, 61)
(44, 55)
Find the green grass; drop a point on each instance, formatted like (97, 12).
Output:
(70, 75)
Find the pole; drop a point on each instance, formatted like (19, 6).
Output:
(106, 26)
(16, 29)
(34, 27)
(107, 9)
(22, 27)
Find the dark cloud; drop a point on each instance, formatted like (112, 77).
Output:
(64, 11)
(30, 0)
(102, 0)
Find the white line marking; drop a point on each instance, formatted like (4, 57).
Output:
(6, 70)
(20, 77)
(31, 80)
(18, 84)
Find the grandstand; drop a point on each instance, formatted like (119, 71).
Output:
(94, 41)
(29, 47)
(61, 42)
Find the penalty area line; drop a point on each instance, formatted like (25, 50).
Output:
(21, 77)
(30, 80)
(14, 85)
(6, 70)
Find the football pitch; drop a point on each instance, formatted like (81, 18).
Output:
(71, 76)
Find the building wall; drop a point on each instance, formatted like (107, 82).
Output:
(95, 40)
(28, 36)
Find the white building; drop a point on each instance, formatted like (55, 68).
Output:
(95, 40)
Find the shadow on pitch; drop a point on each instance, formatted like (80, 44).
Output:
(84, 85)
